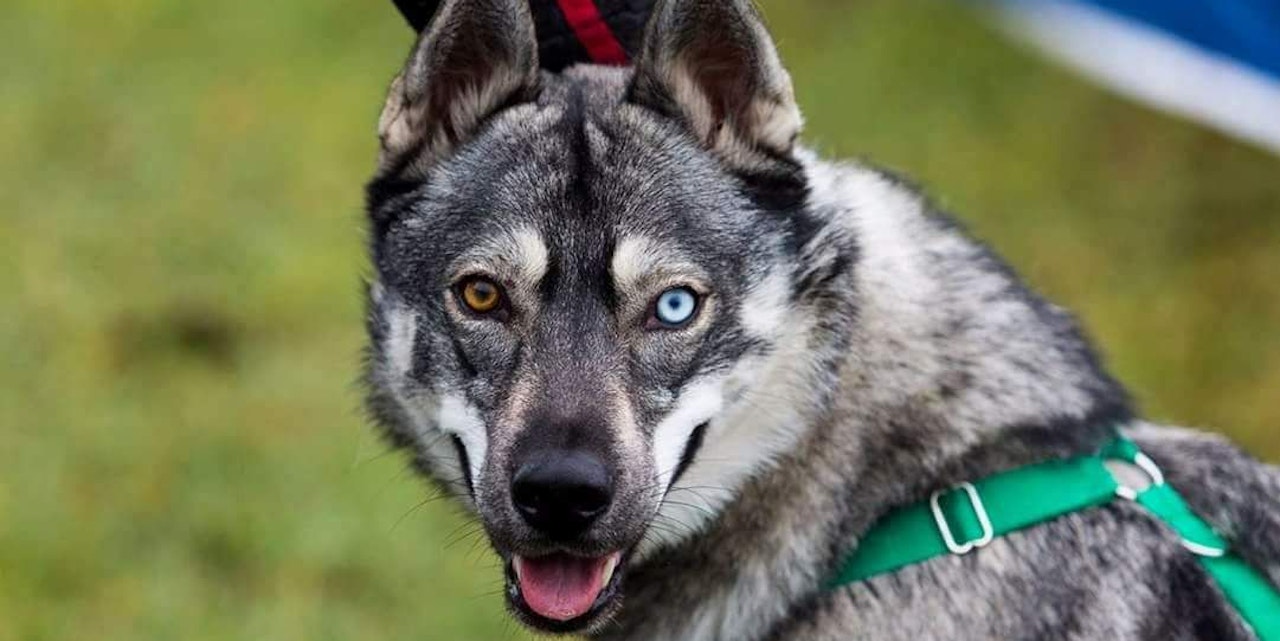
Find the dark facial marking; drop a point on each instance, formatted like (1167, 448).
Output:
(691, 448)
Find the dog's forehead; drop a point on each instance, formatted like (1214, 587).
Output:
(583, 173)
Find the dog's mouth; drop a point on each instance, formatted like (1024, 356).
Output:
(560, 592)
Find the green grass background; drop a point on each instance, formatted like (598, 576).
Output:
(181, 450)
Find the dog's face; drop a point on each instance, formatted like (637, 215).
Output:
(581, 281)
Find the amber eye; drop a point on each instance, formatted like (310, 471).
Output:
(481, 295)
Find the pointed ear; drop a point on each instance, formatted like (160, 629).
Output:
(476, 57)
(713, 64)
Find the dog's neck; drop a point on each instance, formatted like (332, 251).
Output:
(950, 370)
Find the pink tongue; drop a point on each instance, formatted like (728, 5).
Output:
(561, 587)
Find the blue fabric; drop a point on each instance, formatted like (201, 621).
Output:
(1247, 31)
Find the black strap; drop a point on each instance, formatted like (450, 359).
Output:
(557, 46)
(417, 12)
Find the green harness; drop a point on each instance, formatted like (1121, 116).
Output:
(969, 516)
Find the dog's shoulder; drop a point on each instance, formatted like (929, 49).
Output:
(1114, 572)
(1107, 573)
(1239, 495)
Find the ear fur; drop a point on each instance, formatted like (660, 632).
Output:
(713, 64)
(474, 58)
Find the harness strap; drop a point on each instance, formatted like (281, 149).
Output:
(593, 32)
(969, 516)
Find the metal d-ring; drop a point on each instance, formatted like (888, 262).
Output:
(1149, 467)
(1154, 473)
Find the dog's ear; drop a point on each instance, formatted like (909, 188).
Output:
(712, 64)
(475, 57)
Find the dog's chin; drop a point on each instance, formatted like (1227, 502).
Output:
(563, 593)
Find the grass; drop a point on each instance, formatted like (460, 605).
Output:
(181, 450)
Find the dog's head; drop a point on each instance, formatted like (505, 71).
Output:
(591, 288)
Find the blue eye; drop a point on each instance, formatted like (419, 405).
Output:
(675, 307)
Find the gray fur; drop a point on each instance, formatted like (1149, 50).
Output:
(856, 350)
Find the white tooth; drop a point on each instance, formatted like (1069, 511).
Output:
(609, 567)
(516, 563)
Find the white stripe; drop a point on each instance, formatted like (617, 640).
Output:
(402, 332)
(459, 418)
(1152, 66)
(697, 404)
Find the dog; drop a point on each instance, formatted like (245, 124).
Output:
(679, 366)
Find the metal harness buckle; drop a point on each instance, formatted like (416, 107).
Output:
(1149, 467)
(979, 510)
(1156, 478)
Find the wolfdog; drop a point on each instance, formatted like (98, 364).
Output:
(680, 367)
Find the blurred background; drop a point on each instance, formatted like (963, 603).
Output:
(182, 453)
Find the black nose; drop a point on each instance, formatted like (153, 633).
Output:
(562, 492)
